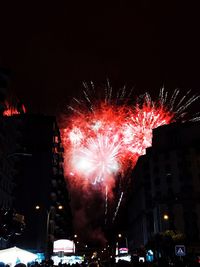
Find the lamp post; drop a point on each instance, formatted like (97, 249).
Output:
(48, 233)
(48, 230)
(166, 222)
(76, 242)
(120, 236)
(126, 240)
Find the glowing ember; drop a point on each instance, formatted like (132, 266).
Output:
(10, 110)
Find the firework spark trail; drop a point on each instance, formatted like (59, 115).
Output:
(178, 109)
(182, 99)
(106, 204)
(173, 99)
(118, 205)
(188, 103)
(138, 131)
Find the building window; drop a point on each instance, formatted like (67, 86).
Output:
(55, 171)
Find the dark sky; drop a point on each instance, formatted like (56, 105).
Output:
(52, 47)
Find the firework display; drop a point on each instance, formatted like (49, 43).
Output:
(104, 139)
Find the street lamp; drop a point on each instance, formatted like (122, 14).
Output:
(166, 217)
(126, 240)
(49, 214)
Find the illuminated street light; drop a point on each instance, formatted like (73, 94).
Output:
(165, 217)
(126, 240)
(49, 212)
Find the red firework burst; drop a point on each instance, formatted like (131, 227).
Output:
(94, 143)
(104, 143)
(137, 133)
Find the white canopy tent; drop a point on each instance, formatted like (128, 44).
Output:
(16, 255)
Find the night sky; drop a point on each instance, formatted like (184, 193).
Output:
(50, 48)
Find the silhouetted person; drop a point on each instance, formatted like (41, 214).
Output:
(20, 265)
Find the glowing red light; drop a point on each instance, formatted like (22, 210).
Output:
(11, 110)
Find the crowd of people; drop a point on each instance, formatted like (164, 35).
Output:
(157, 263)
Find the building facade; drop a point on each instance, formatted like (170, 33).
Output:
(40, 193)
(166, 187)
